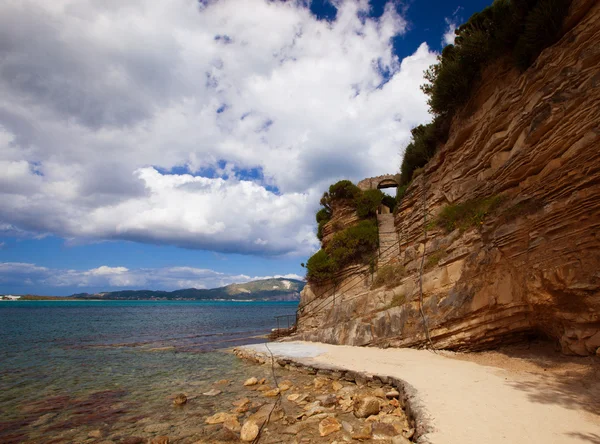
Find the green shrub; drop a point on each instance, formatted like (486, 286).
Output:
(467, 214)
(389, 275)
(398, 300)
(320, 266)
(368, 202)
(323, 215)
(354, 244)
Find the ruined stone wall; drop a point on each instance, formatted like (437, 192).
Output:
(533, 266)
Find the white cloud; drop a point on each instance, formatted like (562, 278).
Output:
(99, 99)
(116, 278)
(449, 35)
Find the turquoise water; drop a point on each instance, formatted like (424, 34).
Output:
(70, 368)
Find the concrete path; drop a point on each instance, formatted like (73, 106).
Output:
(465, 402)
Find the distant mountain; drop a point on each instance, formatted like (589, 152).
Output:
(279, 289)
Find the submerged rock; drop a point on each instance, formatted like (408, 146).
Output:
(251, 381)
(212, 392)
(180, 399)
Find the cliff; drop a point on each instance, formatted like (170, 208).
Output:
(528, 145)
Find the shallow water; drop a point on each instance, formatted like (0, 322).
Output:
(71, 368)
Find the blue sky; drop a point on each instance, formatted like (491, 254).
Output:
(170, 147)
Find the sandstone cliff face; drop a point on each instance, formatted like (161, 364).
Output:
(533, 266)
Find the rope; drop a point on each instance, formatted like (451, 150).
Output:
(277, 401)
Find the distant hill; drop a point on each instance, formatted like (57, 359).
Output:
(279, 289)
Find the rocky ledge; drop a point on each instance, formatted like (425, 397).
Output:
(333, 405)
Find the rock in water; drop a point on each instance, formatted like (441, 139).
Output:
(212, 392)
(251, 381)
(249, 431)
(328, 426)
(180, 399)
(160, 440)
(366, 406)
(219, 418)
(232, 424)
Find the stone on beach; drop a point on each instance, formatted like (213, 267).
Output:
(159, 440)
(328, 426)
(271, 393)
(365, 406)
(251, 381)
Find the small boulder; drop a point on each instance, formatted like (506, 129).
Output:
(320, 382)
(327, 400)
(381, 430)
(212, 392)
(251, 381)
(222, 382)
(336, 385)
(220, 418)
(366, 406)
(180, 399)
(160, 440)
(285, 385)
(95, 434)
(240, 402)
(263, 388)
(364, 433)
(379, 393)
(232, 423)
(249, 430)
(328, 426)
(393, 393)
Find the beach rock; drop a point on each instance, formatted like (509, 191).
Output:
(297, 397)
(263, 388)
(392, 394)
(320, 382)
(347, 426)
(254, 422)
(95, 434)
(364, 433)
(335, 386)
(251, 381)
(271, 393)
(232, 424)
(285, 385)
(249, 430)
(327, 400)
(399, 439)
(219, 418)
(366, 406)
(379, 393)
(328, 426)
(409, 432)
(381, 430)
(160, 440)
(262, 380)
(240, 402)
(212, 392)
(180, 399)
(222, 382)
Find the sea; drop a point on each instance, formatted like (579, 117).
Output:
(107, 371)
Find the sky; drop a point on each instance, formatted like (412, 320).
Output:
(185, 143)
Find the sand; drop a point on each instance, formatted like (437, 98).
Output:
(479, 398)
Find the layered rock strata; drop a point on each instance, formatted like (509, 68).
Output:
(532, 267)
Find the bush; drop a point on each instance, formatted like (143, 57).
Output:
(320, 266)
(389, 275)
(468, 214)
(354, 244)
(368, 202)
(434, 258)
(389, 202)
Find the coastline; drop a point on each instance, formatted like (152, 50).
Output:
(454, 400)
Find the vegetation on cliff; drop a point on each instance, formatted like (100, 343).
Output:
(352, 244)
(520, 29)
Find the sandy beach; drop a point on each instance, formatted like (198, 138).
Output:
(500, 399)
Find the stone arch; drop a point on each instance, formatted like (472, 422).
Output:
(387, 183)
